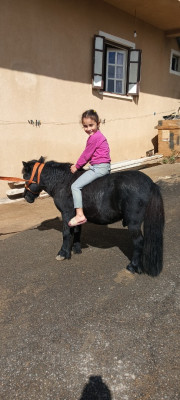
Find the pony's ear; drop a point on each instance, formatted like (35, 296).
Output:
(42, 159)
(26, 167)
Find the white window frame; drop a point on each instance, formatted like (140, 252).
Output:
(124, 66)
(133, 57)
(118, 40)
(174, 53)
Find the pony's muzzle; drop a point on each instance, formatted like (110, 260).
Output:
(29, 199)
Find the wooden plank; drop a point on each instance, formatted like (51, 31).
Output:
(135, 163)
(19, 192)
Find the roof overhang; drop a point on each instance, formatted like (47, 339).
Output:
(163, 14)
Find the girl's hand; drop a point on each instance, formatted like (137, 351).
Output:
(73, 169)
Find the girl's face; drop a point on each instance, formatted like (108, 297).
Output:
(90, 126)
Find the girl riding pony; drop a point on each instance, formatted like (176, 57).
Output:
(97, 153)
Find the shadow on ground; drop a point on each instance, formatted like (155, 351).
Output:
(96, 389)
(99, 236)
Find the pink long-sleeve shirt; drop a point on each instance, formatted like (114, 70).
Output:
(96, 151)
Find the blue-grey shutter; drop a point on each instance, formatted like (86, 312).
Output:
(134, 68)
(98, 63)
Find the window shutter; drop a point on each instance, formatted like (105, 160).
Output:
(98, 63)
(134, 67)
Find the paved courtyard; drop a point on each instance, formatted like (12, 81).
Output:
(85, 328)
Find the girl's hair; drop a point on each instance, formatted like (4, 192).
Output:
(91, 114)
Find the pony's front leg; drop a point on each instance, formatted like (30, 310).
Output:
(136, 261)
(65, 251)
(76, 240)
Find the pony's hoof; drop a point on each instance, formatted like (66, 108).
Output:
(76, 250)
(60, 258)
(131, 269)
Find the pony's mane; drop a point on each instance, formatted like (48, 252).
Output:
(52, 163)
(56, 164)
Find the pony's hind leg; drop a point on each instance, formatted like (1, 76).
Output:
(136, 262)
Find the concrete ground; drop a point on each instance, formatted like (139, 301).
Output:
(85, 328)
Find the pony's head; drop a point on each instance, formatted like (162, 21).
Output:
(31, 173)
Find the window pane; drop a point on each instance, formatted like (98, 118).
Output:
(110, 85)
(119, 72)
(98, 62)
(120, 58)
(134, 55)
(133, 88)
(112, 57)
(98, 80)
(175, 63)
(111, 71)
(133, 73)
(118, 86)
(99, 43)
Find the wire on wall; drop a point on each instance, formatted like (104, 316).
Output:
(38, 123)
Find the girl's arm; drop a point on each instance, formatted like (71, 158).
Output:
(87, 153)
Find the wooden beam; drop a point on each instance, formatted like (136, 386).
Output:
(128, 164)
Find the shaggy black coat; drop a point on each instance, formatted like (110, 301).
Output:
(130, 196)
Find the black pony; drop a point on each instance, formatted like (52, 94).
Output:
(130, 196)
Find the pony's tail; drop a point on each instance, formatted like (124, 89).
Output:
(153, 234)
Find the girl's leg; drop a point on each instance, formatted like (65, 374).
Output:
(83, 180)
(94, 172)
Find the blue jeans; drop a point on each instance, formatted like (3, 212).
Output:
(95, 171)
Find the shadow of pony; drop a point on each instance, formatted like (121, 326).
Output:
(99, 236)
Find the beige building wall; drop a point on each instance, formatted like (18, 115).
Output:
(45, 74)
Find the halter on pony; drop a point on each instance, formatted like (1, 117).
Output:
(38, 167)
